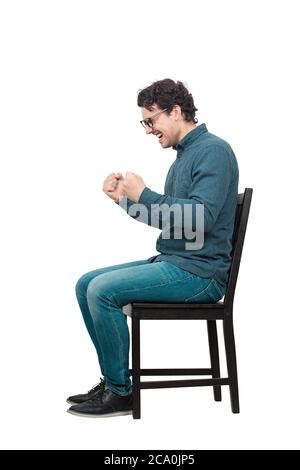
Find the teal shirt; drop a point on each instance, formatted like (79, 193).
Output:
(205, 171)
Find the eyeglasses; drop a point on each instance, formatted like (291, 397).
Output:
(149, 121)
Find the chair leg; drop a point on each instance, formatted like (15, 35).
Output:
(214, 355)
(231, 363)
(136, 368)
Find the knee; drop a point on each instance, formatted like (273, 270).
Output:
(98, 290)
(82, 286)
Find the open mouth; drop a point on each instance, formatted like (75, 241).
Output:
(160, 136)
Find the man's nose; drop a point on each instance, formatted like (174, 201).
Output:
(149, 130)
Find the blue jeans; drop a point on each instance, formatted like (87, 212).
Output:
(103, 292)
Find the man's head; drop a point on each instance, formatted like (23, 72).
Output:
(168, 111)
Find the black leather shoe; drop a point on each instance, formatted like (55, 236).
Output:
(104, 404)
(81, 398)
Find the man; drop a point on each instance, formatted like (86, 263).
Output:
(203, 180)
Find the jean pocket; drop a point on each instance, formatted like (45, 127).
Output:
(209, 294)
(219, 291)
(201, 295)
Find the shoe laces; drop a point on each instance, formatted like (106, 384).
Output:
(99, 396)
(97, 387)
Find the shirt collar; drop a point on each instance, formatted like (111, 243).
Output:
(190, 137)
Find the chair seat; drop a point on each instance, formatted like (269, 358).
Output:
(176, 305)
(176, 311)
(127, 309)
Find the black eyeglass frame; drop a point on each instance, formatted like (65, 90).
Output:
(148, 122)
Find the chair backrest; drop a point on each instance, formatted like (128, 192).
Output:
(239, 232)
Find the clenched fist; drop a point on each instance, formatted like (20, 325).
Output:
(113, 186)
(133, 186)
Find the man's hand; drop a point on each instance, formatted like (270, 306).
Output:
(133, 186)
(113, 186)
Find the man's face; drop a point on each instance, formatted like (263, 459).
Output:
(165, 127)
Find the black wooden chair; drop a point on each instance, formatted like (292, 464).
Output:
(223, 310)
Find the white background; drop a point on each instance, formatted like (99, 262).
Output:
(70, 73)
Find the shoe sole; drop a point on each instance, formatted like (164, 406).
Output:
(106, 415)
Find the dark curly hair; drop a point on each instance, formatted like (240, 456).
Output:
(166, 94)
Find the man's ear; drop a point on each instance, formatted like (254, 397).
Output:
(176, 112)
